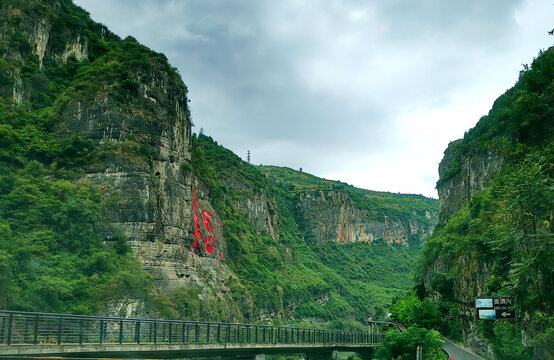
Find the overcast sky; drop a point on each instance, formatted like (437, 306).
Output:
(366, 92)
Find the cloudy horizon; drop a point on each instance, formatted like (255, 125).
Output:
(366, 92)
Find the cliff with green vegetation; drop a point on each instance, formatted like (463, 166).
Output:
(110, 205)
(288, 272)
(495, 236)
(334, 211)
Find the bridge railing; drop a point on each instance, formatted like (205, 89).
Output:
(28, 328)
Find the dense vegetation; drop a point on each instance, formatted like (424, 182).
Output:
(506, 231)
(402, 345)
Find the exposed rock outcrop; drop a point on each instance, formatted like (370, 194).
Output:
(476, 172)
(332, 216)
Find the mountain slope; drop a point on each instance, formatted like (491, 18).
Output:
(496, 234)
(281, 264)
(110, 205)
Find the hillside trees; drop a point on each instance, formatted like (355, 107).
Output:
(402, 345)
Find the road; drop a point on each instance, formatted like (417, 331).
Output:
(458, 353)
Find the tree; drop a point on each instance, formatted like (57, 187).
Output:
(410, 310)
(402, 345)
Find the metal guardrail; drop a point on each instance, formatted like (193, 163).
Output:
(29, 328)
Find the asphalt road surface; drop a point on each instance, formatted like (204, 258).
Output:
(458, 353)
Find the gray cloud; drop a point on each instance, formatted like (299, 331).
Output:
(344, 88)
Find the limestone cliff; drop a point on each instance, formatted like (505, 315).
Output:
(475, 172)
(333, 216)
(139, 120)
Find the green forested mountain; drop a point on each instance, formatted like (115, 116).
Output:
(497, 239)
(109, 204)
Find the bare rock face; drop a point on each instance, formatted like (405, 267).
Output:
(152, 197)
(260, 210)
(475, 174)
(332, 216)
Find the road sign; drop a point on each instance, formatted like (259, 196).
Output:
(494, 308)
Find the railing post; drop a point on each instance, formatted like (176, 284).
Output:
(237, 338)
(35, 335)
(170, 333)
(218, 333)
(120, 332)
(155, 332)
(101, 331)
(256, 334)
(10, 328)
(187, 333)
(197, 335)
(137, 332)
(81, 331)
(207, 333)
(59, 330)
(263, 334)
(183, 333)
(228, 333)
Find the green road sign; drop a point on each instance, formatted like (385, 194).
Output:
(494, 308)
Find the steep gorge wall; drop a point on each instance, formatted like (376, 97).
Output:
(471, 273)
(333, 216)
(475, 173)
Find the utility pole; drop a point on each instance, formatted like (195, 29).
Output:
(248, 156)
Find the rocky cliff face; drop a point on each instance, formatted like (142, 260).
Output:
(476, 171)
(470, 281)
(333, 216)
(35, 34)
(144, 141)
(471, 273)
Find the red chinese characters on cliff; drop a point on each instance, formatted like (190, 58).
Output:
(209, 240)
